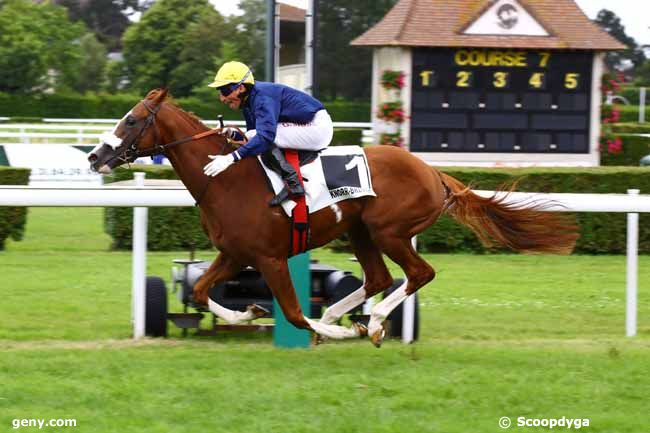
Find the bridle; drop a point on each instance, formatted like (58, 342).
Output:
(131, 152)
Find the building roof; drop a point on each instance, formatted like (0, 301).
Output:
(441, 23)
(291, 13)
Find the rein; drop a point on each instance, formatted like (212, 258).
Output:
(131, 153)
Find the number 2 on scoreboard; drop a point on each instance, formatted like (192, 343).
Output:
(463, 79)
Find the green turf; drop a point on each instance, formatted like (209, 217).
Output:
(501, 335)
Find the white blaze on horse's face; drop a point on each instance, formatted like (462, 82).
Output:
(110, 138)
(107, 139)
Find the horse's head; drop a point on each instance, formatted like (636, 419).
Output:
(134, 136)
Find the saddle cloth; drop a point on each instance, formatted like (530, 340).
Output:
(338, 173)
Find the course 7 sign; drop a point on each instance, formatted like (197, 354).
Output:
(500, 100)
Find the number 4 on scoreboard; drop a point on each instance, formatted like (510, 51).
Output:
(537, 80)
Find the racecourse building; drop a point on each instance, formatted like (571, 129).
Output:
(490, 82)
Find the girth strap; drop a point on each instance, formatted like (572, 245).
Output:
(300, 213)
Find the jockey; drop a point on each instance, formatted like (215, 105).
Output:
(277, 117)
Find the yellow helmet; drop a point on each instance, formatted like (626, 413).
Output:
(233, 73)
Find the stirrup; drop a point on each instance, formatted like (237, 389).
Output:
(284, 195)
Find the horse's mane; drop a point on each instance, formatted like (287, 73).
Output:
(192, 118)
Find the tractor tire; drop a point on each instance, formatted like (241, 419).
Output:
(155, 324)
(396, 317)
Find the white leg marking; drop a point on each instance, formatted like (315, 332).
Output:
(338, 213)
(384, 308)
(334, 312)
(333, 331)
(231, 316)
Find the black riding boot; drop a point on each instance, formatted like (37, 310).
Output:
(292, 187)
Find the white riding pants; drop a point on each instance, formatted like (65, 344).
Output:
(315, 135)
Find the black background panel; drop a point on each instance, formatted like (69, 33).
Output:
(480, 100)
(536, 101)
(427, 141)
(464, 100)
(572, 102)
(433, 121)
(500, 141)
(554, 122)
(428, 100)
(500, 121)
(500, 101)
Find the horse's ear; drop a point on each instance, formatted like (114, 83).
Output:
(157, 95)
(162, 94)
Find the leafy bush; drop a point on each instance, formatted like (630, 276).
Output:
(104, 106)
(600, 233)
(173, 228)
(634, 148)
(12, 219)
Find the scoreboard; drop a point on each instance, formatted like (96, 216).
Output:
(500, 100)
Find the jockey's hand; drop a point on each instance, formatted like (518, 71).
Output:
(234, 135)
(219, 163)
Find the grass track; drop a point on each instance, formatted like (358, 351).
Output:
(502, 335)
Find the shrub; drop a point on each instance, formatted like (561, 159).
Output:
(600, 233)
(12, 219)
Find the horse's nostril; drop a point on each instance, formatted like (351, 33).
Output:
(92, 157)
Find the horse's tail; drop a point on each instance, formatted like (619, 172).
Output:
(521, 226)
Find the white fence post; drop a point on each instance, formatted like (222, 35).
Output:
(632, 269)
(642, 92)
(408, 316)
(138, 289)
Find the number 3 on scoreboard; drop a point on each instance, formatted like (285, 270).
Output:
(500, 80)
(571, 80)
(463, 79)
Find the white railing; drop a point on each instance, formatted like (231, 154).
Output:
(141, 197)
(88, 131)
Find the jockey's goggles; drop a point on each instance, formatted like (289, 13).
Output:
(228, 89)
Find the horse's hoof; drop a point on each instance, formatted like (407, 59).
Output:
(258, 311)
(360, 329)
(378, 337)
(199, 299)
(317, 339)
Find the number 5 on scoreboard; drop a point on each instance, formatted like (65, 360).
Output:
(571, 80)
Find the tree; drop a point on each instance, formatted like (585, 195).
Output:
(344, 70)
(615, 60)
(249, 36)
(39, 47)
(174, 45)
(643, 75)
(92, 71)
(107, 19)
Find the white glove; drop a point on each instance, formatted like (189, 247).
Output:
(250, 133)
(219, 163)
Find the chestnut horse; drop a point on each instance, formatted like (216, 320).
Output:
(235, 215)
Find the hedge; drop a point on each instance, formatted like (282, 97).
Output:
(635, 147)
(173, 228)
(601, 233)
(30, 108)
(12, 219)
(632, 95)
(630, 114)
(632, 128)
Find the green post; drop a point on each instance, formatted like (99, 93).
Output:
(285, 334)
